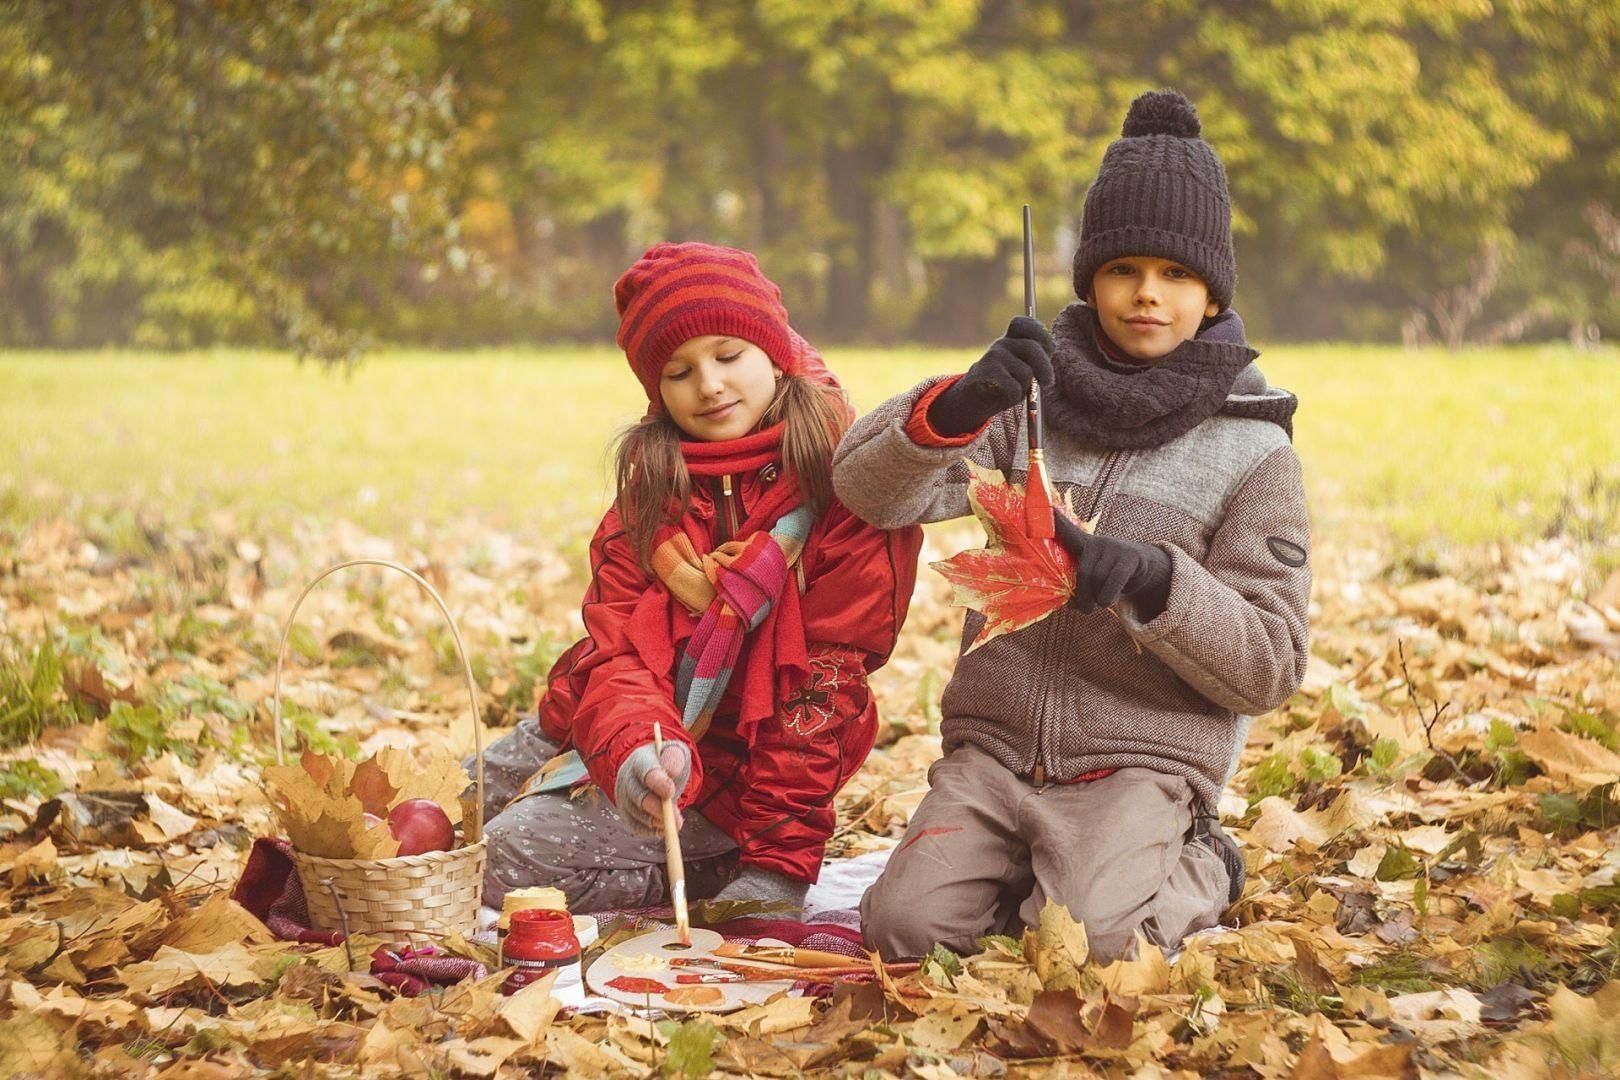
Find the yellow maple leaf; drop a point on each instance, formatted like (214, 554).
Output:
(441, 780)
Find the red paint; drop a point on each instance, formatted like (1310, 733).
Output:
(537, 940)
(937, 830)
(629, 984)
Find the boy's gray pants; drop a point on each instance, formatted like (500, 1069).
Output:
(986, 850)
(581, 845)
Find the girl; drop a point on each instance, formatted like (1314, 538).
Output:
(733, 601)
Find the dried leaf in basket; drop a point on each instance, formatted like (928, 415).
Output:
(317, 820)
(338, 831)
(377, 794)
(441, 780)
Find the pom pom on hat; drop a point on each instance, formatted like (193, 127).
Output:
(1162, 112)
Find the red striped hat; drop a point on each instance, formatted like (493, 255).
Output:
(676, 292)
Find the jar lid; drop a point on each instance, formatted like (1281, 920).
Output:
(544, 924)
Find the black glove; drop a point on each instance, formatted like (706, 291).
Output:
(1110, 567)
(998, 380)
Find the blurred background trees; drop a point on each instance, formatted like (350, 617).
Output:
(457, 172)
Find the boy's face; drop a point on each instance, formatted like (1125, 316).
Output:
(1147, 306)
(718, 387)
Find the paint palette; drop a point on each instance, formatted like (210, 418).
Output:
(638, 973)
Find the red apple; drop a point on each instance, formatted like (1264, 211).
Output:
(420, 826)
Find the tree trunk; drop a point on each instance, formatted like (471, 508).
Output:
(851, 244)
(968, 301)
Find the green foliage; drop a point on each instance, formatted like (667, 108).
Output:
(1383, 756)
(1319, 766)
(530, 670)
(942, 966)
(1510, 958)
(1402, 971)
(32, 695)
(690, 1052)
(137, 732)
(453, 171)
(308, 733)
(1271, 776)
(183, 173)
(200, 695)
(1502, 751)
(1599, 727)
(1397, 864)
(25, 779)
(1570, 815)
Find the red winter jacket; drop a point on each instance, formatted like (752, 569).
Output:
(771, 789)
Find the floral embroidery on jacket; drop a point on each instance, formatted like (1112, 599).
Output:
(809, 709)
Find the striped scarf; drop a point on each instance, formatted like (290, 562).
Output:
(732, 591)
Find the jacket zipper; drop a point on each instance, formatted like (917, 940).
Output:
(1105, 476)
(731, 510)
(1039, 774)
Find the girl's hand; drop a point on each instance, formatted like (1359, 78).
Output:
(999, 380)
(645, 779)
(661, 784)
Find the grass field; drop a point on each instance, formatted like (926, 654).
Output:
(1428, 445)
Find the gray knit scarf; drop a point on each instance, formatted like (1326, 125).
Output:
(1129, 406)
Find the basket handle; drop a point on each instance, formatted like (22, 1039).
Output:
(475, 824)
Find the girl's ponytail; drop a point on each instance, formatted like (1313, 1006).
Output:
(817, 416)
(651, 483)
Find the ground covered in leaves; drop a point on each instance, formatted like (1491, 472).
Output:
(1430, 827)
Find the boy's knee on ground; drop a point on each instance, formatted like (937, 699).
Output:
(899, 921)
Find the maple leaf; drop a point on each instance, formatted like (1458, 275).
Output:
(441, 780)
(338, 831)
(1016, 579)
(373, 788)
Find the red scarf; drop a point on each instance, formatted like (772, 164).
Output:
(777, 657)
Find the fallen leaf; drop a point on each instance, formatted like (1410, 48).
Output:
(229, 965)
(1058, 948)
(530, 1010)
(942, 1032)
(1582, 762)
(480, 1057)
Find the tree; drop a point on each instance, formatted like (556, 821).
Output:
(195, 170)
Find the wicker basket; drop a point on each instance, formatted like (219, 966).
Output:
(419, 897)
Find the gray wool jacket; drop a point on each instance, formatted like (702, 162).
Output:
(1075, 693)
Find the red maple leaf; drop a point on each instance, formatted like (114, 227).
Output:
(1015, 579)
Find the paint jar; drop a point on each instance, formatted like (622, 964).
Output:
(540, 940)
(523, 900)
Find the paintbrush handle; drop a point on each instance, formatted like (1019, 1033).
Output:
(672, 852)
(1037, 488)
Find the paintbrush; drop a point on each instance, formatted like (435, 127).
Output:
(1037, 488)
(780, 954)
(672, 852)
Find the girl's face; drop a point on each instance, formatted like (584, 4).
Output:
(1147, 306)
(717, 388)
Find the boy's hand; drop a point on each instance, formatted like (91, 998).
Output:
(645, 780)
(998, 380)
(1111, 568)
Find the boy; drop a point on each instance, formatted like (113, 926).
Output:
(1085, 755)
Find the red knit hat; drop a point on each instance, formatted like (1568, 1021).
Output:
(676, 292)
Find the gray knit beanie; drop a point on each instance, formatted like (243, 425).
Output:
(1161, 191)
